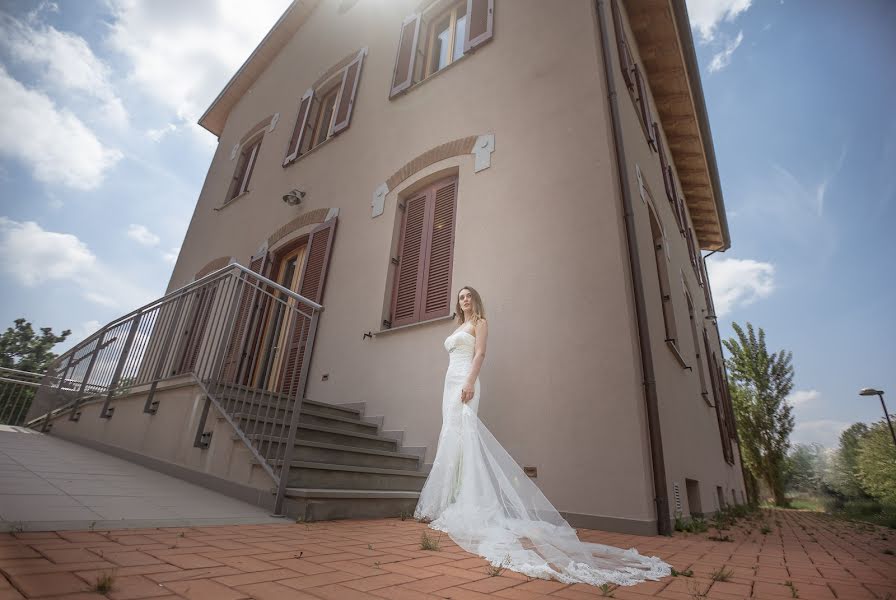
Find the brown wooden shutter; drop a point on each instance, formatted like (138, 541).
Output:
(440, 249)
(238, 175)
(298, 132)
(203, 299)
(480, 23)
(409, 273)
(311, 286)
(644, 106)
(664, 164)
(403, 76)
(252, 153)
(350, 79)
(246, 323)
(625, 57)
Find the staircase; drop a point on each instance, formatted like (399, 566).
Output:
(340, 465)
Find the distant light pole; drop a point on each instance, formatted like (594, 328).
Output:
(880, 394)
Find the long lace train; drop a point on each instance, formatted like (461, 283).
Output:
(480, 497)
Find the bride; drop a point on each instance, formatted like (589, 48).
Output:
(480, 497)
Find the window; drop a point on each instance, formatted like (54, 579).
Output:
(325, 111)
(644, 107)
(660, 254)
(422, 280)
(444, 41)
(669, 180)
(244, 167)
(439, 36)
(626, 64)
(701, 369)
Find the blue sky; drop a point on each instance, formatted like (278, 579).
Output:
(101, 163)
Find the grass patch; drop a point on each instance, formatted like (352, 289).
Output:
(428, 543)
(607, 589)
(722, 574)
(103, 584)
(685, 573)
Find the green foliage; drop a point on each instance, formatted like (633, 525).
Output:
(759, 383)
(804, 468)
(21, 348)
(843, 476)
(876, 460)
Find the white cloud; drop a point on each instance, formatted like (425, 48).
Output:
(739, 282)
(170, 257)
(705, 15)
(207, 41)
(156, 135)
(64, 63)
(35, 256)
(820, 431)
(142, 235)
(53, 142)
(803, 397)
(722, 59)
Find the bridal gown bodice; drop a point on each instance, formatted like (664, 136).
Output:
(480, 497)
(461, 347)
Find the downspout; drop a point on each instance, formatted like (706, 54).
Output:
(661, 499)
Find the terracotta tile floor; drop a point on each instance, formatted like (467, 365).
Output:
(804, 555)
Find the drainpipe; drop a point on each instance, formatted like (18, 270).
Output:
(661, 493)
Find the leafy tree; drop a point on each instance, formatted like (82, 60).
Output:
(843, 478)
(759, 383)
(876, 461)
(804, 469)
(23, 349)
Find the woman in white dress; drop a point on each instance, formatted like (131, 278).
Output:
(480, 497)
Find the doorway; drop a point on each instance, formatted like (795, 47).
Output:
(280, 317)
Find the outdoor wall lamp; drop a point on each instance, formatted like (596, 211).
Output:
(294, 197)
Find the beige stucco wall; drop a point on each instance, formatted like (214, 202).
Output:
(691, 441)
(168, 435)
(539, 234)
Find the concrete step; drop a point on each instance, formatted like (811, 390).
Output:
(329, 435)
(263, 402)
(260, 423)
(338, 454)
(303, 474)
(323, 505)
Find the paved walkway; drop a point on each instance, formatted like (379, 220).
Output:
(803, 555)
(50, 484)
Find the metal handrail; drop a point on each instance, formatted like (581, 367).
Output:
(226, 331)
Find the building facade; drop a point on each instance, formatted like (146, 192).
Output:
(375, 157)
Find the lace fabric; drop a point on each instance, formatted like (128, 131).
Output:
(480, 497)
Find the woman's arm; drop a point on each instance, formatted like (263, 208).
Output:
(481, 329)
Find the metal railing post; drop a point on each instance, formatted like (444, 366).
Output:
(163, 355)
(105, 413)
(294, 420)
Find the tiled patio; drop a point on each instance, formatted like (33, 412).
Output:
(817, 556)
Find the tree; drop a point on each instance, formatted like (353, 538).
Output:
(805, 468)
(759, 383)
(876, 460)
(844, 473)
(21, 348)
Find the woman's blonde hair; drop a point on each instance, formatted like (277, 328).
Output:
(478, 307)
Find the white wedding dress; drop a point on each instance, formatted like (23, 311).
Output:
(480, 497)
